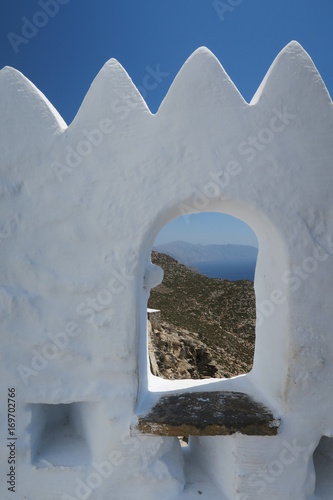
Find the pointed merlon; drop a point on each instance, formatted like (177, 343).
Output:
(202, 91)
(26, 116)
(208, 81)
(295, 78)
(112, 94)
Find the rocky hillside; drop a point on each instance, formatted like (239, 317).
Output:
(206, 327)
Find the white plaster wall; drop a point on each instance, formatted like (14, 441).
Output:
(78, 222)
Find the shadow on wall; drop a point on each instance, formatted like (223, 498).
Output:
(323, 464)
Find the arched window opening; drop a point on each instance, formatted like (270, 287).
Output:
(201, 318)
(323, 464)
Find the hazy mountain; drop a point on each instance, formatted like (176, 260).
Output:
(190, 254)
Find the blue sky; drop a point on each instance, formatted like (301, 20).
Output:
(69, 41)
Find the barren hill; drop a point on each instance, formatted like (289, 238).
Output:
(207, 325)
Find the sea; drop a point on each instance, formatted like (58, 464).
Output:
(233, 270)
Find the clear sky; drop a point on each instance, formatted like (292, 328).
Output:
(60, 45)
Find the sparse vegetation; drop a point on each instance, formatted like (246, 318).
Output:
(220, 312)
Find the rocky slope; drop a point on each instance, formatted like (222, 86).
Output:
(206, 327)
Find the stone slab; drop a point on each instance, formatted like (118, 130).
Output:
(209, 414)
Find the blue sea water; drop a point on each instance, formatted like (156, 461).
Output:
(232, 270)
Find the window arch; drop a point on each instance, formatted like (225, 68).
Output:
(206, 326)
(272, 333)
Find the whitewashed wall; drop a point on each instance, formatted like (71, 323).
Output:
(80, 209)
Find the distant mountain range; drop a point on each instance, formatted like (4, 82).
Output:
(190, 254)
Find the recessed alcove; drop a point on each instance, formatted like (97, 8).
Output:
(58, 436)
(323, 464)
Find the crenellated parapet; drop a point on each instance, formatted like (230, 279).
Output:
(81, 206)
